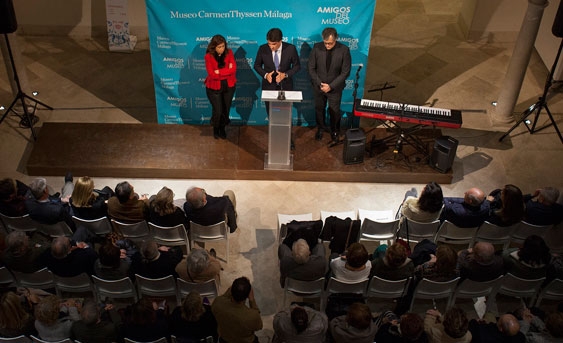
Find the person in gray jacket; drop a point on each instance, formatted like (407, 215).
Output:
(355, 326)
(300, 324)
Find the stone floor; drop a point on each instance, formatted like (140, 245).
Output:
(416, 44)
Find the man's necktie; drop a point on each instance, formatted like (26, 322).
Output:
(276, 60)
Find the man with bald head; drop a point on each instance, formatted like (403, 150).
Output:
(204, 209)
(505, 330)
(470, 211)
(480, 263)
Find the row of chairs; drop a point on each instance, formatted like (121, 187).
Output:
(380, 226)
(137, 232)
(378, 288)
(34, 339)
(114, 289)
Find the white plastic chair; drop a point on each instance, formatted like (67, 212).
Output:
(161, 287)
(160, 340)
(41, 279)
(211, 233)
(428, 289)
(6, 277)
(552, 291)
(75, 284)
(523, 230)
(469, 289)
(520, 288)
(335, 286)
(99, 227)
(376, 216)
(304, 289)
(59, 229)
(205, 289)
(449, 233)
(378, 231)
(387, 289)
(342, 215)
(18, 339)
(288, 218)
(23, 223)
(170, 236)
(494, 234)
(114, 289)
(418, 231)
(137, 232)
(39, 340)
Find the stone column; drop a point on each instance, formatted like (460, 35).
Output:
(519, 61)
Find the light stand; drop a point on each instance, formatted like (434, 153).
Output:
(537, 107)
(27, 119)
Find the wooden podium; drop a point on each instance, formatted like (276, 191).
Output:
(279, 155)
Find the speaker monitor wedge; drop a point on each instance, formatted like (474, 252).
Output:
(443, 154)
(354, 146)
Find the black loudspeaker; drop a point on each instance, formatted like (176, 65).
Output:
(8, 23)
(354, 146)
(557, 28)
(443, 154)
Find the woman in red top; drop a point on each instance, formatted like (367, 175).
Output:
(220, 83)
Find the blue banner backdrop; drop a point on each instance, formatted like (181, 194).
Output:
(179, 32)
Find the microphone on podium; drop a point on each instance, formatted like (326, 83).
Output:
(281, 93)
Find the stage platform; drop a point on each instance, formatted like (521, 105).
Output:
(191, 152)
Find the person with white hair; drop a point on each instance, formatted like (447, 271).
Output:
(542, 207)
(300, 263)
(47, 209)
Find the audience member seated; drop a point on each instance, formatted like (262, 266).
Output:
(425, 208)
(54, 318)
(163, 212)
(353, 266)
(453, 327)
(395, 265)
(155, 261)
(507, 206)
(205, 209)
(22, 256)
(542, 207)
(126, 206)
(530, 261)
(96, 325)
(355, 326)
(300, 263)
(536, 330)
(112, 262)
(68, 258)
(86, 203)
(470, 211)
(145, 321)
(47, 209)
(409, 328)
(299, 324)
(199, 266)
(480, 263)
(236, 321)
(441, 267)
(193, 320)
(504, 330)
(12, 197)
(15, 320)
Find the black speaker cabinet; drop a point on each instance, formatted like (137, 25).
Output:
(354, 146)
(443, 153)
(8, 23)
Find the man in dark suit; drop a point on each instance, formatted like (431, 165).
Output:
(329, 67)
(276, 62)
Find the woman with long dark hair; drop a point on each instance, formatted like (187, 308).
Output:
(220, 83)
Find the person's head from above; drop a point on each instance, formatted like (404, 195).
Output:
(163, 202)
(483, 252)
(109, 255)
(149, 250)
(446, 259)
(431, 198)
(8, 189)
(17, 243)
(83, 191)
(358, 316)
(60, 247)
(217, 45)
(300, 251)
(197, 261)
(47, 310)
(39, 188)
(329, 36)
(548, 196)
(357, 255)
(274, 38)
(192, 307)
(240, 289)
(534, 251)
(554, 324)
(411, 326)
(396, 255)
(124, 191)
(196, 197)
(474, 197)
(512, 203)
(508, 325)
(455, 322)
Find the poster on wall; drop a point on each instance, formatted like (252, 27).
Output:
(119, 38)
(179, 32)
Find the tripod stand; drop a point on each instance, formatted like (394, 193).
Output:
(537, 107)
(27, 119)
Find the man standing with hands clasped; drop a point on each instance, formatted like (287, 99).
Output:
(329, 67)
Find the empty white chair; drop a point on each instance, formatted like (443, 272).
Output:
(23, 223)
(207, 289)
(41, 279)
(475, 289)
(449, 233)
(387, 289)
(211, 233)
(288, 218)
(552, 291)
(523, 229)
(99, 227)
(520, 288)
(161, 287)
(170, 236)
(114, 289)
(494, 234)
(59, 229)
(417, 231)
(376, 216)
(304, 289)
(137, 232)
(428, 289)
(75, 284)
(378, 231)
